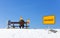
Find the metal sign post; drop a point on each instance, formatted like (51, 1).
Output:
(49, 20)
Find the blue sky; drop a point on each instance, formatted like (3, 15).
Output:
(33, 9)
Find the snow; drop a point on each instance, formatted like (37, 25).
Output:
(28, 33)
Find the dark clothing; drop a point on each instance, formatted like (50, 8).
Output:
(21, 24)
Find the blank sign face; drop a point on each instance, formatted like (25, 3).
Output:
(49, 20)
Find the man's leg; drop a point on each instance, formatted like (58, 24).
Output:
(22, 26)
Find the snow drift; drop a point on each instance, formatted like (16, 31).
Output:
(28, 33)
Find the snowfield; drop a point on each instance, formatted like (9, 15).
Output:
(28, 33)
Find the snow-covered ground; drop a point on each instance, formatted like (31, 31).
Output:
(28, 33)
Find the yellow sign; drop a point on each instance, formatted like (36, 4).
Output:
(49, 20)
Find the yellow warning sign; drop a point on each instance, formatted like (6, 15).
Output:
(49, 20)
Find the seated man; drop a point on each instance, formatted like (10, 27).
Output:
(21, 22)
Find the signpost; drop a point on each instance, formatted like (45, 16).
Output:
(49, 20)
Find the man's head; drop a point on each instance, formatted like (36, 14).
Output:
(21, 18)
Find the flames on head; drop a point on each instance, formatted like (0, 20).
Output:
(21, 18)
